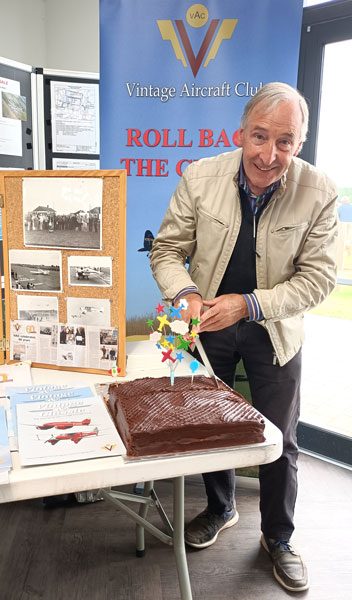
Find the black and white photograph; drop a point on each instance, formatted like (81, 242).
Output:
(37, 308)
(72, 335)
(37, 270)
(90, 270)
(19, 352)
(63, 212)
(45, 330)
(89, 311)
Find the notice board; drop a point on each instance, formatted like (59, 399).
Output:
(64, 236)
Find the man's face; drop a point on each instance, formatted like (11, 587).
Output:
(269, 141)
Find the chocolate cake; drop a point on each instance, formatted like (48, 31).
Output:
(153, 417)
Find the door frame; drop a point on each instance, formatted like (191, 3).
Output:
(321, 24)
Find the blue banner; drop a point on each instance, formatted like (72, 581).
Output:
(175, 77)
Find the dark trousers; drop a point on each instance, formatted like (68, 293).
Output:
(275, 393)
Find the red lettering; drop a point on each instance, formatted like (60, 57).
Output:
(206, 138)
(127, 162)
(153, 137)
(166, 139)
(181, 139)
(157, 138)
(223, 139)
(180, 165)
(234, 138)
(146, 167)
(133, 135)
(141, 167)
(160, 167)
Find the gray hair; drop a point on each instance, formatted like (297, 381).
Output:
(270, 95)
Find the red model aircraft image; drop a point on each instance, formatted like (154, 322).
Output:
(63, 424)
(74, 437)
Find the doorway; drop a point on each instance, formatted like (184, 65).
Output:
(325, 79)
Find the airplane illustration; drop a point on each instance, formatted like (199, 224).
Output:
(63, 424)
(74, 437)
(167, 355)
(147, 242)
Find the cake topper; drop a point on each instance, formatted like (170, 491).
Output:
(172, 335)
(114, 370)
(194, 366)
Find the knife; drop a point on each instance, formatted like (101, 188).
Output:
(205, 360)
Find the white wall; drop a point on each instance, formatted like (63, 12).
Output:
(22, 31)
(54, 34)
(72, 29)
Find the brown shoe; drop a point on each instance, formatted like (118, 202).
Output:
(289, 568)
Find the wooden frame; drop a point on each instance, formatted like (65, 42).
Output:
(113, 245)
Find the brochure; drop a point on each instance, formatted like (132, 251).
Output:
(35, 393)
(66, 430)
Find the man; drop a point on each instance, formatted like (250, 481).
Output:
(260, 228)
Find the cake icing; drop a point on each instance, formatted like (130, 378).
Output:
(155, 418)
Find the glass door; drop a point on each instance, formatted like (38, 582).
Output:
(325, 79)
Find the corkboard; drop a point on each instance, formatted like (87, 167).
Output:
(113, 223)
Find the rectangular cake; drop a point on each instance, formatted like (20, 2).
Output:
(154, 418)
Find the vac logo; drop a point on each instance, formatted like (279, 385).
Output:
(197, 16)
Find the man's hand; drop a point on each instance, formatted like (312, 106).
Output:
(224, 311)
(194, 309)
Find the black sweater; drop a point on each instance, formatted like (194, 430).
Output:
(240, 275)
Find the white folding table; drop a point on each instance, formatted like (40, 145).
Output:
(104, 473)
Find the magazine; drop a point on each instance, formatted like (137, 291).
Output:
(66, 430)
(35, 393)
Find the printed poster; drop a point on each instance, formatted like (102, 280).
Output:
(10, 128)
(174, 80)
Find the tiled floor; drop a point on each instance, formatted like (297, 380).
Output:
(327, 374)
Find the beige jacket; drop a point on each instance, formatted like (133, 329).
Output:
(296, 242)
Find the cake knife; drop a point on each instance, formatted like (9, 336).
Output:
(205, 360)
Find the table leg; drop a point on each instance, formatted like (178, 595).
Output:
(140, 544)
(179, 542)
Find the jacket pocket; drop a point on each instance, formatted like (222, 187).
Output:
(287, 241)
(292, 227)
(211, 219)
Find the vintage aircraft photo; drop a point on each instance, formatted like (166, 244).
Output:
(86, 310)
(86, 272)
(41, 272)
